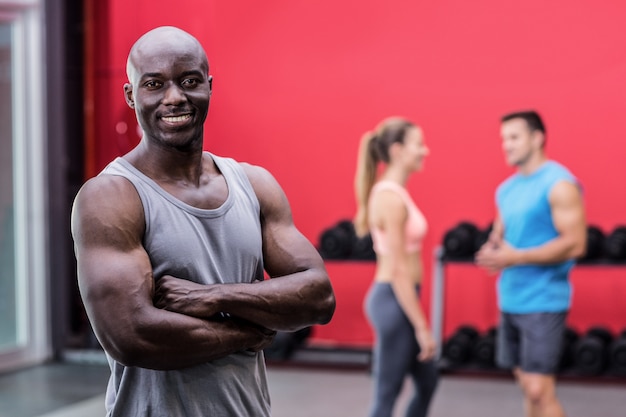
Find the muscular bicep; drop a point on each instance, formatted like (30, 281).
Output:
(114, 271)
(285, 250)
(568, 213)
(116, 295)
(301, 294)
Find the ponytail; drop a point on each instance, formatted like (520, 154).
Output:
(367, 165)
(374, 148)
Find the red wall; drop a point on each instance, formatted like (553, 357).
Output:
(297, 83)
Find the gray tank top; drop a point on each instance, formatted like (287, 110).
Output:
(221, 245)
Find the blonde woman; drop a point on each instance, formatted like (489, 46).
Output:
(404, 345)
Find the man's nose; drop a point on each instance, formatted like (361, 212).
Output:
(173, 95)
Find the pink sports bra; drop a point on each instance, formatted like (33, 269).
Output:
(416, 225)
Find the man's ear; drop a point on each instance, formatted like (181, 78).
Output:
(540, 138)
(128, 95)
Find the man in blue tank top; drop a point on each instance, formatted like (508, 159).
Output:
(539, 231)
(172, 245)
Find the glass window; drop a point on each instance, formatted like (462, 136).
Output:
(24, 332)
(8, 323)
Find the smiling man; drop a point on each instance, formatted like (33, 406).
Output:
(172, 246)
(539, 231)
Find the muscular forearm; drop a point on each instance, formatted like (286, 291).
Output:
(556, 250)
(165, 340)
(284, 304)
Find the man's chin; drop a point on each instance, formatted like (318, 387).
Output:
(512, 163)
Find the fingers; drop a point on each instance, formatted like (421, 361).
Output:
(428, 347)
(427, 352)
(263, 337)
(488, 258)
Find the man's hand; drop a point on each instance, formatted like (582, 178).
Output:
(495, 256)
(263, 337)
(192, 299)
(185, 297)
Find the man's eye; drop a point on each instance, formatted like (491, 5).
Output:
(190, 82)
(152, 84)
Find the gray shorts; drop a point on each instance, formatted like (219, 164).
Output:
(532, 342)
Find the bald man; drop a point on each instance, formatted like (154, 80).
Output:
(172, 246)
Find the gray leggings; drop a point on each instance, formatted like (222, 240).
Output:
(395, 356)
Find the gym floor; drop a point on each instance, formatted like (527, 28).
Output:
(70, 389)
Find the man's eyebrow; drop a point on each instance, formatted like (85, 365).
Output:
(184, 74)
(193, 72)
(151, 75)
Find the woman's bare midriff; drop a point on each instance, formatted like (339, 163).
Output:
(385, 268)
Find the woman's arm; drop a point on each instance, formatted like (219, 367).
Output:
(389, 212)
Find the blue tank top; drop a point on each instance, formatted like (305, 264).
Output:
(221, 245)
(524, 207)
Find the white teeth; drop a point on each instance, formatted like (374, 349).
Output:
(176, 119)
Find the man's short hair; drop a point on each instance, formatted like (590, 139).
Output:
(532, 119)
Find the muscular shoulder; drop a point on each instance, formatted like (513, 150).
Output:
(107, 208)
(563, 184)
(270, 194)
(565, 191)
(265, 185)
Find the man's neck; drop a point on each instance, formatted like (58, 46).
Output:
(533, 164)
(162, 164)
